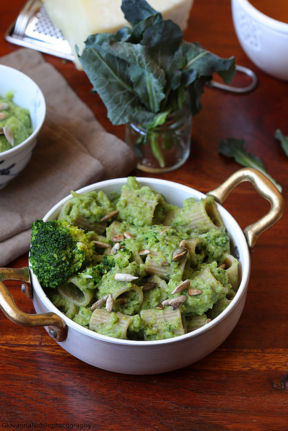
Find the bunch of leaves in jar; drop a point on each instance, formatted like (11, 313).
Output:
(146, 71)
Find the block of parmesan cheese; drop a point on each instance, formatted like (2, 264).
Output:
(77, 19)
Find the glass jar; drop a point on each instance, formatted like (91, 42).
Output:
(166, 147)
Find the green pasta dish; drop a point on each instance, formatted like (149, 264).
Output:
(133, 266)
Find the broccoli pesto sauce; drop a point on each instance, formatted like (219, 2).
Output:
(15, 123)
(133, 266)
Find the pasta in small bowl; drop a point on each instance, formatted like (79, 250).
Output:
(150, 275)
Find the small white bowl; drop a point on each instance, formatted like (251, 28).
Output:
(28, 95)
(264, 39)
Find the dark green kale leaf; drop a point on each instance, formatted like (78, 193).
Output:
(234, 148)
(147, 78)
(163, 38)
(138, 30)
(204, 63)
(137, 10)
(196, 89)
(110, 77)
(283, 140)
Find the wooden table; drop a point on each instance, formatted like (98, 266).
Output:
(243, 385)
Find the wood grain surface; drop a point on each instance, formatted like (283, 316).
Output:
(241, 386)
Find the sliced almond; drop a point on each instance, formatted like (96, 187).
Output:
(115, 248)
(109, 303)
(179, 254)
(99, 303)
(110, 215)
(182, 286)
(144, 252)
(101, 244)
(174, 302)
(183, 243)
(194, 292)
(8, 135)
(129, 235)
(117, 238)
(124, 277)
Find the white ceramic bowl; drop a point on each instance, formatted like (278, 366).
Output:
(28, 95)
(149, 357)
(264, 39)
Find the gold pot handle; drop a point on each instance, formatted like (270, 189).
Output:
(56, 326)
(265, 188)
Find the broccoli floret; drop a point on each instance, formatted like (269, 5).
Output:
(58, 251)
(91, 276)
(102, 268)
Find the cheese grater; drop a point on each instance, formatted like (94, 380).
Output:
(34, 29)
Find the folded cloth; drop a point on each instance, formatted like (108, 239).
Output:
(72, 151)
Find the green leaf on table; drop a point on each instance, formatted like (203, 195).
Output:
(235, 149)
(136, 10)
(283, 140)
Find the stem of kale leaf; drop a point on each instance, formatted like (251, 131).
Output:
(156, 150)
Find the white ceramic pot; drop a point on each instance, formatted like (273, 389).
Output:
(28, 95)
(264, 39)
(150, 357)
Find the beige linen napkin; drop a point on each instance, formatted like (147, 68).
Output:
(72, 150)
